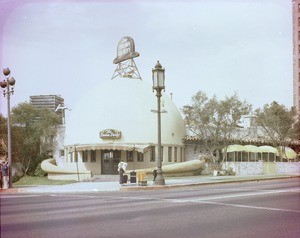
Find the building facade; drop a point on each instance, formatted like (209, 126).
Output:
(54, 103)
(51, 102)
(296, 54)
(117, 121)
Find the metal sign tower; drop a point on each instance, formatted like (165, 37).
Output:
(126, 67)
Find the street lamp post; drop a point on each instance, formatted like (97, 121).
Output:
(158, 77)
(7, 86)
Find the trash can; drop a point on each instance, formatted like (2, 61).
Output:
(125, 178)
(141, 176)
(132, 177)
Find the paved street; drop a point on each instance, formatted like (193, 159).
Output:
(250, 209)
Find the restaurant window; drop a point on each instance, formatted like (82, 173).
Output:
(84, 156)
(129, 156)
(93, 156)
(152, 154)
(117, 154)
(259, 155)
(75, 157)
(252, 157)
(140, 157)
(107, 154)
(181, 155)
(245, 156)
(265, 157)
(175, 154)
(62, 152)
(169, 154)
(238, 156)
(271, 157)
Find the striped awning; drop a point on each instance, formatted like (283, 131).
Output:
(268, 149)
(287, 152)
(233, 148)
(111, 146)
(251, 148)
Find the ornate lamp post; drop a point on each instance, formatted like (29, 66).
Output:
(7, 86)
(158, 77)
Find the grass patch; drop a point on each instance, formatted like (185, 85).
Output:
(31, 181)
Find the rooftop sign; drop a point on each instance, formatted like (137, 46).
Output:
(125, 50)
(110, 134)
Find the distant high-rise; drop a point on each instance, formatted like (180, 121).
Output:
(51, 102)
(296, 53)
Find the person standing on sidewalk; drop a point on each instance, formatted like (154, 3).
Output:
(121, 168)
(1, 174)
(5, 172)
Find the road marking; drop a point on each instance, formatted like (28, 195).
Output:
(72, 195)
(250, 207)
(21, 196)
(139, 198)
(267, 192)
(292, 190)
(100, 197)
(261, 192)
(203, 200)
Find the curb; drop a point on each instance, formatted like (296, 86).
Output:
(157, 187)
(152, 187)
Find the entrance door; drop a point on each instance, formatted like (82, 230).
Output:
(109, 161)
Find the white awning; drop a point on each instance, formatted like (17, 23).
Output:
(251, 149)
(233, 148)
(268, 149)
(113, 146)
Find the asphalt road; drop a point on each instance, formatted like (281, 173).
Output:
(251, 209)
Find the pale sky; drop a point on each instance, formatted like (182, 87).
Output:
(66, 47)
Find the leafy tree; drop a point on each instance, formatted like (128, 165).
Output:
(3, 137)
(34, 130)
(215, 121)
(297, 129)
(278, 123)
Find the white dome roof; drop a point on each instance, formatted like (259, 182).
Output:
(123, 104)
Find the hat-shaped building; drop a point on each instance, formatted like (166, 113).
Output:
(116, 121)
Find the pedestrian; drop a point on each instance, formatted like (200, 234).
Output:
(1, 174)
(5, 173)
(121, 169)
(121, 173)
(154, 174)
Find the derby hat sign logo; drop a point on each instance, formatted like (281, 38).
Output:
(110, 134)
(126, 50)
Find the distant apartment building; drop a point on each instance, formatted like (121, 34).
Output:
(51, 102)
(296, 53)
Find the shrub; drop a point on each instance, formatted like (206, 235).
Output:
(230, 171)
(198, 171)
(39, 172)
(16, 177)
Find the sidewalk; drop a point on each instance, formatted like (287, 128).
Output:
(171, 182)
